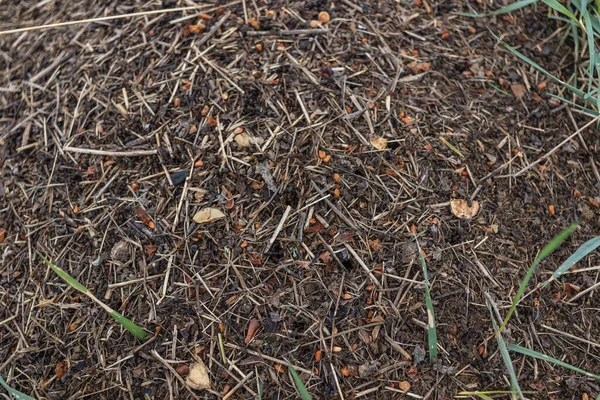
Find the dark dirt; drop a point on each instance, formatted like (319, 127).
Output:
(308, 106)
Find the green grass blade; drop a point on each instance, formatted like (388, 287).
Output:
(532, 353)
(581, 252)
(431, 330)
(504, 10)
(300, 385)
(64, 276)
(554, 4)
(127, 324)
(542, 70)
(546, 251)
(591, 48)
(130, 326)
(592, 113)
(514, 383)
(14, 392)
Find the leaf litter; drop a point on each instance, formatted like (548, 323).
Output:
(341, 118)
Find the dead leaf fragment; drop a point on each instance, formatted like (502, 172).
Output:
(253, 326)
(2, 235)
(462, 210)
(146, 220)
(208, 214)
(518, 91)
(198, 378)
(61, 369)
(379, 143)
(242, 139)
(404, 386)
(349, 370)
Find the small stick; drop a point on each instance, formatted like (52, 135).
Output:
(334, 208)
(214, 29)
(539, 160)
(290, 32)
(549, 328)
(239, 385)
(179, 378)
(363, 265)
(278, 229)
(133, 153)
(269, 358)
(85, 21)
(113, 286)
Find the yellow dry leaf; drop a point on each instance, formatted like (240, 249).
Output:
(198, 378)
(242, 139)
(462, 210)
(404, 386)
(207, 215)
(379, 143)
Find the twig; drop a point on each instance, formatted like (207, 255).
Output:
(214, 29)
(239, 385)
(99, 19)
(290, 32)
(549, 328)
(539, 160)
(278, 228)
(363, 265)
(132, 153)
(334, 208)
(167, 366)
(269, 358)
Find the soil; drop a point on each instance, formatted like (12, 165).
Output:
(327, 146)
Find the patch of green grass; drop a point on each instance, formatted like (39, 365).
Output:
(127, 324)
(581, 252)
(431, 329)
(546, 251)
(584, 20)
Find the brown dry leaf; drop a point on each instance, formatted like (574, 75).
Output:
(594, 201)
(253, 327)
(379, 143)
(230, 203)
(254, 23)
(462, 210)
(412, 372)
(207, 215)
(404, 386)
(61, 369)
(145, 218)
(349, 370)
(344, 237)
(375, 333)
(518, 91)
(2, 235)
(325, 256)
(198, 378)
(375, 244)
(196, 28)
(150, 250)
